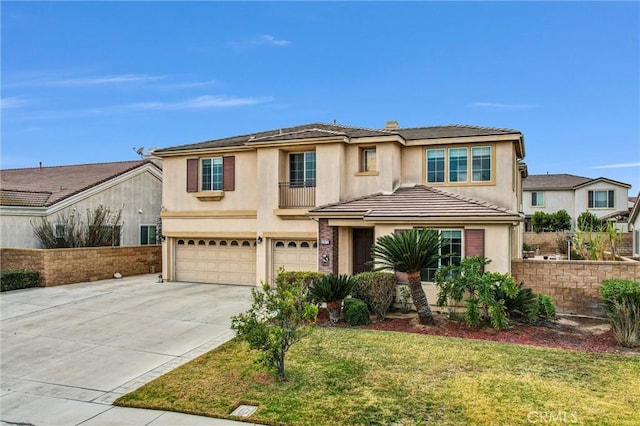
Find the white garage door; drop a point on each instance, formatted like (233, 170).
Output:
(219, 261)
(295, 255)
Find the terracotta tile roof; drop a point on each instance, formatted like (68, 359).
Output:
(43, 187)
(316, 130)
(561, 181)
(415, 202)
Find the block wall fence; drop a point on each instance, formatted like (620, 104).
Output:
(573, 285)
(67, 266)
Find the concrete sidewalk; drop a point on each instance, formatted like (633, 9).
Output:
(68, 352)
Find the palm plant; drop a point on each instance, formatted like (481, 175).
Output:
(332, 289)
(410, 251)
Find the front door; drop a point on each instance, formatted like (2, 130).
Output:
(362, 242)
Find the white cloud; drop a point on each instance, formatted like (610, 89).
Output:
(200, 102)
(52, 80)
(262, 40)
(13, 102)
(617, 166)
(494, 105)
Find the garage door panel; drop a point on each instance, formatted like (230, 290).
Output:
(294, 255)
(216, 263)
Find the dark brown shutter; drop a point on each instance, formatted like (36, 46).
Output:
(228, 173)
(192, 175)
(474, 242)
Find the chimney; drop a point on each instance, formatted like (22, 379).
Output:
(392, 125)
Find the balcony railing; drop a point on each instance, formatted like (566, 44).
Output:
(297, 194)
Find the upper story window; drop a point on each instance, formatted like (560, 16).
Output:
(148, 235)
(452, 165)
(211, 177)
(302, 168)
(458, 164)
(368, 160)
(435, 165)
(601, 199)
(537, 199)
(481, 164)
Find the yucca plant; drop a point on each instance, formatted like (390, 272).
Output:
(332, 289)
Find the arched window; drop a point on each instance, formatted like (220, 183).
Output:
(246, 244)
(201, 243)
(223, 243)
(180, 242)
(234, 243)
(191, 243)
(292, 244)
(315, 245)
(212, 242)
(279, 244)
(304, 244)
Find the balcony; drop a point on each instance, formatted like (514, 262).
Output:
(297, 194)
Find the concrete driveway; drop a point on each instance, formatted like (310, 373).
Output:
(68, 352)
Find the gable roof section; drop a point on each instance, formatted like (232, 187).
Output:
(46, 186)
(320, 130)
(418, 202)
(635, 210)
(563, 181)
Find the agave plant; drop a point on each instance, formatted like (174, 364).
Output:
(332, 289)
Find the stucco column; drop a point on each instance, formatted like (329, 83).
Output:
(327, 247)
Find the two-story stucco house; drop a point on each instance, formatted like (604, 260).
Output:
(30, 194)
(549, 193)
(315, 197)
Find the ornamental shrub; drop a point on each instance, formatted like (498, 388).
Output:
(377, 290)
(15, 279)
(290, 277)
(278, 318)
(621, 301)
(356, 312)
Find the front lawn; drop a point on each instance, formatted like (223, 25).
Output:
(339, 376)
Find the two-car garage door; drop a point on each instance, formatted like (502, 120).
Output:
(220, 261)
(229, 261)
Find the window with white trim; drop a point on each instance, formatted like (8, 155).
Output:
(458, 164)
(435, 165)
(451, 252)
(601, 199)
(481, 164)
(211, 176)
(537, 199)
(302, 168)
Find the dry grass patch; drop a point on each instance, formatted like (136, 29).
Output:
(357, 377)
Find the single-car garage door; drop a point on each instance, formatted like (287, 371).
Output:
(295, 255)
(219, 261)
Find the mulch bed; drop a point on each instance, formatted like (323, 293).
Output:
(577, 333)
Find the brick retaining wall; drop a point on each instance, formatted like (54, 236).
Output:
(573, 285)
(67, 266)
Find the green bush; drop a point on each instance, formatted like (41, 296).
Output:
(15, 279)
(290, 277)
(621, 301)
(526, 306)
(551, 222)
(356, 312)
(332, 289)
(377, 290)
(589, 222)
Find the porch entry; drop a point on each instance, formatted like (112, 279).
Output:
(362, 242)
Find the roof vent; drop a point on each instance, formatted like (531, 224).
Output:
(392, 125)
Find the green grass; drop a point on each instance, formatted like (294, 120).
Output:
(342, 376)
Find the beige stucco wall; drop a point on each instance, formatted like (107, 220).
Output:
(138, 196)
(553, 202)
(621, 198)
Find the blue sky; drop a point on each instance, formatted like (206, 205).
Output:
(87, 82)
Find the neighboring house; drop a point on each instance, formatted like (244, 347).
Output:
(549, 193)
(634, 227)
(27, 195)
(316, 196)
